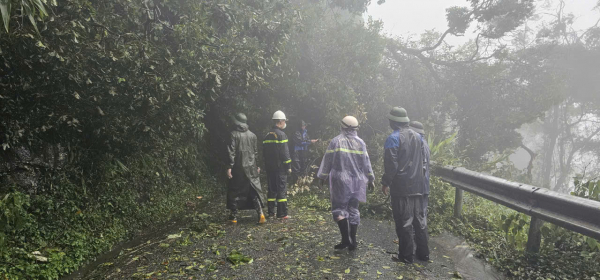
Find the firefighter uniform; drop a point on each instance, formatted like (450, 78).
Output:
(277, 163)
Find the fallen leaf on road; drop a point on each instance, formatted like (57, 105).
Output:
(236, 258)
(456, 275)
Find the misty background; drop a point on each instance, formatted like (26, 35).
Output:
(114, 114)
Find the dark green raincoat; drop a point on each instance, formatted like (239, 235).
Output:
(242, 161)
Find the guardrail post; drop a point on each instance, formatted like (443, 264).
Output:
(458, 203)
(534, 239)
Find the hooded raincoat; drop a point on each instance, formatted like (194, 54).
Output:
(347, 166)
(242, 161)
(404, 174)
(403, 162)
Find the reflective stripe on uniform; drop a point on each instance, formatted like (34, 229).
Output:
(282, 200)
(287, 161)
(345, 150)
(271, 199)
(275, 141)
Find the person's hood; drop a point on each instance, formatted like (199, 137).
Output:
(350, 132)
(241, 127)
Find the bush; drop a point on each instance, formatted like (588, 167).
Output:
(50, 234)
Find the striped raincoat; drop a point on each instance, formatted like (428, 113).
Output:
(347, 166)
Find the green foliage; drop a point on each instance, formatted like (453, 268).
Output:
(513, 226)
(237, 258)
(318, 201)
(500, 17)
(443, 152)
(116, 79)
(353, 6)
(28, 8)
(589, 189)
(505, 102)
(499, 235)
(131, 90)
(77, 220)
(458, 19)
(13, 216)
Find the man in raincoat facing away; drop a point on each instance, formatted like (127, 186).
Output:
(278, 165)
(404, 175)
(243, 189)
(347, 166)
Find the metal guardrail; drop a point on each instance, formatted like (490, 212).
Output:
(573, 213)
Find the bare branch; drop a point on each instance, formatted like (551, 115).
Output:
(476, 47)
(440, 41)
(532, 155)
(589, 29)
(394, 47)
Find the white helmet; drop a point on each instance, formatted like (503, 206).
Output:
(350, 122)
(279, 116)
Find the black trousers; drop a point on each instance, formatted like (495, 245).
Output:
(300, 162)
(255, 202)
(425, 204)
(411, 227)
(277, 182)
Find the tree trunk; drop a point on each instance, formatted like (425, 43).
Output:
(532, 156)
(551, 131)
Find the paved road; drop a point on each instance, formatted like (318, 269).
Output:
(301, 248)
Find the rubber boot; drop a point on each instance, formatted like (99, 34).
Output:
(233, 213)
(259, 211)
(232, 218)
(353, 241)
(271, 209)
(282, 209)
(343, 225)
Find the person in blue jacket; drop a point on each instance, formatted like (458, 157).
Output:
(403, 179)
(300, 153)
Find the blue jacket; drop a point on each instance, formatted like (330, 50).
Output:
(301, 140)
(404, 163)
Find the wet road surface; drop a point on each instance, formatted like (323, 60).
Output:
(207, 247)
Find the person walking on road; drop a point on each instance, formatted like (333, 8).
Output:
(278, 166)
(243, 188)
(403, 178)
(347, 166)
